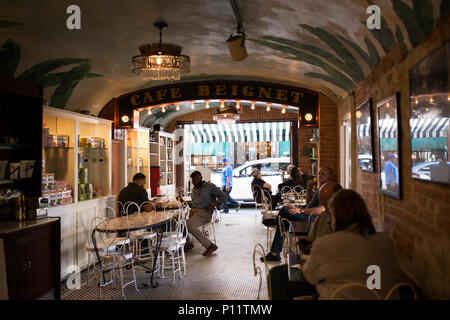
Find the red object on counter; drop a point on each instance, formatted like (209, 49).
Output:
(155, 178)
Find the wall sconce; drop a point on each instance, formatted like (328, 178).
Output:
(125, 119)
(308, 117)
(358, 114)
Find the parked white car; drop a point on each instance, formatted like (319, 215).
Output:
(242, 176)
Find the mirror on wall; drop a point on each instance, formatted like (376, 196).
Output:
(364, 136)
(430, 114)
(389, 156)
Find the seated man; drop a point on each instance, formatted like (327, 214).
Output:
(205, 196)
(135, 192)
(325, 193)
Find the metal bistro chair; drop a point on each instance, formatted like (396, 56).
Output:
(341, 288)
(172, 244)
(257, 190)
(268, 214)
(208, 229)
(287, 235)
(259, 250)
(141, 236)
(117, 257)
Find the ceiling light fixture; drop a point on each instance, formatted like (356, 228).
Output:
(160, 61)
(163, 109)
(125, 119)
(268, 107)
(207, 104)
(149, 111)
(178, 107)
(192, 105)
(253, 106)
(228, 115)
(222, 104)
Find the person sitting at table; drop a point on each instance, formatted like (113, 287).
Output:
(205, 196)
(288, 171)
(296, 214)
(351, 224)
(296, 182)
(259, 186)
(282, 288)
(135, 192)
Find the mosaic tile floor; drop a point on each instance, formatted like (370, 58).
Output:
(225, 275)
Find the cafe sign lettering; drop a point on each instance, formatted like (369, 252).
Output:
(306, 100)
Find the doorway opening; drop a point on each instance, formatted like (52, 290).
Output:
(246, 145)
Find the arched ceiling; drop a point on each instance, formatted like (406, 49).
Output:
(323, 45)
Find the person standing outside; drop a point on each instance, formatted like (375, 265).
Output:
(391, 173)
(227, 185)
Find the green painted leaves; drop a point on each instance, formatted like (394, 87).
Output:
(40, 73)
(9, 57)
(418, 20)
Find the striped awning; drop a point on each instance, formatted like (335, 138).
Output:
(363, 130)
(240, 132)
(388, 128)
(429, 128)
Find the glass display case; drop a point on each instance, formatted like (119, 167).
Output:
(93, 158)
(75, 157)
(137, 155)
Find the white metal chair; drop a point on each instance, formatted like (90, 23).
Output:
(209, 230)
(259, 250)
(268, 213)
(172, 244)
(397, 286)
(120, 257)
(354, 285)
(138, 237)
(286, 233)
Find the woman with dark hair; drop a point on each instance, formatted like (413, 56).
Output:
(351, 252)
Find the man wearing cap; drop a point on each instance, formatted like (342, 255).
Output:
(227, 184)
(205, 196)
(391, 173)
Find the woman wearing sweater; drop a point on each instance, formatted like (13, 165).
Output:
(344, 256)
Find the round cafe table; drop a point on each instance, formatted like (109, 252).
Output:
(145, 220)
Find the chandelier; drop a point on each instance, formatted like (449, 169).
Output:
(227, 116)
(160, 61)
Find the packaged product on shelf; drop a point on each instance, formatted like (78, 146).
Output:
(67, 197)
(52, 197)
(50, 181)
(59, 198)
(26, 168)
(14, 168)
(62, 141)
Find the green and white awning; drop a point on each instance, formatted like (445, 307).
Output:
(240, 132)
(429, 128)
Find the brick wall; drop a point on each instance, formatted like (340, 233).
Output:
(328, 135)
(423, 213)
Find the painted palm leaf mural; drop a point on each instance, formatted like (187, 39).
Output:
(41, 73)
(320, 45)
(341, 67)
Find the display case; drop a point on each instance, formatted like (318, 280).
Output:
(137, 155)
(161, 147)
(75, 157)
(77, 153)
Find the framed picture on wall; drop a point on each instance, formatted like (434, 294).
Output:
(389, 157)
(430, 113)
(364, 138)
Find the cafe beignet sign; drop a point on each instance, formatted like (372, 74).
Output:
(306, 100)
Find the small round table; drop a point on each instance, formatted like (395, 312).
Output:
(145, 220)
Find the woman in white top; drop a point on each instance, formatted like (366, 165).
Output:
(344, 256)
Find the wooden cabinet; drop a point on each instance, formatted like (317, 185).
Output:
(30, 259)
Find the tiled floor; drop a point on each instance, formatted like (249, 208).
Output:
(225, 275)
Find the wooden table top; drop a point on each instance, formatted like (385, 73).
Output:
(144, 220)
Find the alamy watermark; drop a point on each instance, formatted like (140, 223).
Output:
(374, 20)
(73, 22)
